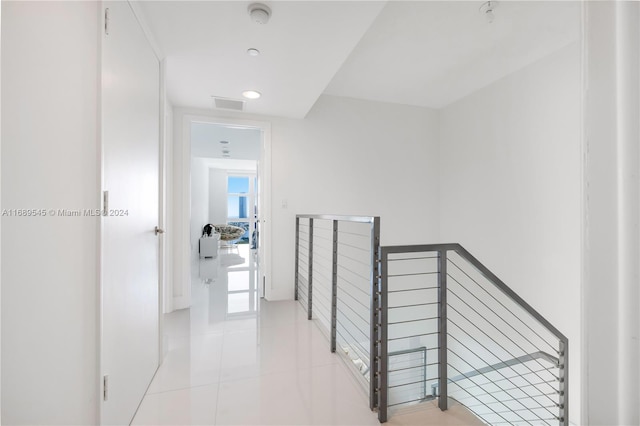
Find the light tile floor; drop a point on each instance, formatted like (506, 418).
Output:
(233, 359)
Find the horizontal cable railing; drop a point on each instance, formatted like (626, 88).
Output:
(492, 352)
(423, 322)
(410, 322)
(335, 270)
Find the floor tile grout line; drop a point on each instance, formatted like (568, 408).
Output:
(217, 382)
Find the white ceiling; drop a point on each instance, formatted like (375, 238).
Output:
(244, 143)
(425, 53)
(302, 47)
(433, 53)
(231, 165)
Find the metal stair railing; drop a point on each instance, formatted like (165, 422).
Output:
(502, 364)
(493, 352)
(424, 322)
(335, 282)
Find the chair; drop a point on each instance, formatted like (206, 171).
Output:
(229, 232)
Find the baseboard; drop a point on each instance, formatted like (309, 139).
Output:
(275, 295)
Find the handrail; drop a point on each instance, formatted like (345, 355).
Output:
(508, 292)
(344, 218)
(442, 260)
(497, 341)
(484, 271)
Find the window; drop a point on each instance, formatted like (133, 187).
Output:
(241, 202)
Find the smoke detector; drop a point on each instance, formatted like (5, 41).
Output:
(259, 13)
(487, 9)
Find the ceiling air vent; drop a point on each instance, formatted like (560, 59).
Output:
(226, 103)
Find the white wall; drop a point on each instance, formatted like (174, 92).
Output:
(49, 161)
(217, 196)
(612, 207)
(510, 188)
(199, 201)
(0, 210)
(355, 157)
(347, 157)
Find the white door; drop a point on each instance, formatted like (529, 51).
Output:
(130, 138)
(263, 194)
(259, 221)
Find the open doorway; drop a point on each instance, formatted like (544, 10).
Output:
(228, 188)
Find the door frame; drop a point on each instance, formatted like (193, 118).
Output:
(183, 257)
(162, 205)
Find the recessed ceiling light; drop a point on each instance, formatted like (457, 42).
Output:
(224, 142)
(253, 52)
(251, 94)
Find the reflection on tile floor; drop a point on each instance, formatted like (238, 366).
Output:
(236, 359)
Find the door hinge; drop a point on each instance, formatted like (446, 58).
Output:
(106, 21)
(105, 388)
(105, 202)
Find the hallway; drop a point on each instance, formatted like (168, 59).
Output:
(236, 359)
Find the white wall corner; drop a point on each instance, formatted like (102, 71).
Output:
(142, 20)
(611, 322)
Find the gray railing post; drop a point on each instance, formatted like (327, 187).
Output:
(297, 256)
(334, 288)
(379, 319)
(382, 373)
(310, 280)
(442, 330)
(374, 307)
(563, 364)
